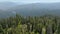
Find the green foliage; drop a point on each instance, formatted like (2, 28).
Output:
(30, 25)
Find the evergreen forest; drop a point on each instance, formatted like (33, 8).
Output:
(18, 24)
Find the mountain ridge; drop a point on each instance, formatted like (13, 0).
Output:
(35, 9)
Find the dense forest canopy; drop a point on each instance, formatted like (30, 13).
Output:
(29, 18)
(30, 25)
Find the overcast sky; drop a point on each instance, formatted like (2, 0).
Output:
(31, 1)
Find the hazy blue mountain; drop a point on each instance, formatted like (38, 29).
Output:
(37, 9)
(40, 6)
(7, 5)
(34, 9)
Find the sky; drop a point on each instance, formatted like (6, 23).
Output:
(32, 1)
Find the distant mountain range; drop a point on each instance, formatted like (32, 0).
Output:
(33, 9)
(7, 5)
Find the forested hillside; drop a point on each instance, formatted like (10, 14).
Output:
(30, 25)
